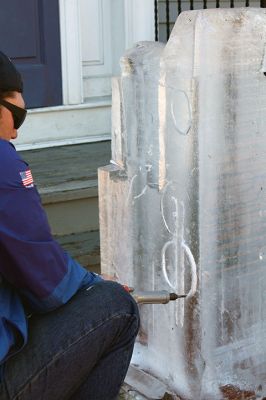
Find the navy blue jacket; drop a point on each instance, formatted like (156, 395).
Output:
(32, 264)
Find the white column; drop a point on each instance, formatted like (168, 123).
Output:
(139, 21)
(71, 52)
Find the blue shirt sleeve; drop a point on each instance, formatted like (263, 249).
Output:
(30, 259)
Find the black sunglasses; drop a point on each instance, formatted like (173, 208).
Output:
(18, 113)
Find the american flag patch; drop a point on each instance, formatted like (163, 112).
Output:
(27, 178)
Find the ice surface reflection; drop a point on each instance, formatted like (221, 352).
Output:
(183, 203)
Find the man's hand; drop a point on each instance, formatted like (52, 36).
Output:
(108, 277)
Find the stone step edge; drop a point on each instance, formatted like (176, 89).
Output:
(101, 137)
(69, 191)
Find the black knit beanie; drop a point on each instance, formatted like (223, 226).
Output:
(10, 78)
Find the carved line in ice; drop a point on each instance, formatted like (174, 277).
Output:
(141, 193)
(131, 187)
(165, 274)
(193, 267)
(180, 305)
(162, 208)
(192, 263)
(184, 131)
(179, 284)
(115, 163)
(174, 239)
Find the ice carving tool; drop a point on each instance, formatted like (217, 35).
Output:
(153, 297)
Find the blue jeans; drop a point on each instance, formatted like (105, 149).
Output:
(79, 351)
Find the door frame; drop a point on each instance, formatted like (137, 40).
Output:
(71, 57)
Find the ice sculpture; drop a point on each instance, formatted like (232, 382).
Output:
(183, 202)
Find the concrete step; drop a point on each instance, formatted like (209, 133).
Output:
(72, 207)
(61, 125)
(83, 247)
(66, 178)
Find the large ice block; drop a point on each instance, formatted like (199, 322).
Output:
(183, 203)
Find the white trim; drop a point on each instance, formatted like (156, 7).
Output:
(100, 59)
(128, 24)
(63, 142)
(57, 126)
(102, 65)
(99, 102)
(71, 51)
(139, 21)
